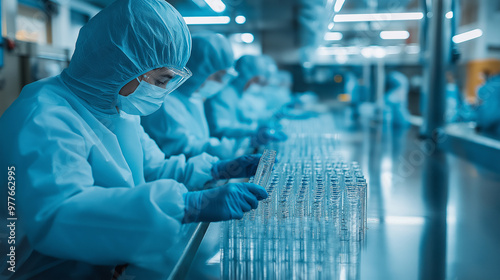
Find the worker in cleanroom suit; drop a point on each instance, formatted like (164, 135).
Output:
(280, 85)
(396, 99)
(93, 193)
(488, 113)
(224, 112)
(353, 88)
(261, 101)
(180, 126)
(256, 97)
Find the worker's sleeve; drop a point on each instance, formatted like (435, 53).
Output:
(67, 216)
(193, 173)
(179, 133)
(223, 120)
(225, 148)
(171, 128)
(161, 128)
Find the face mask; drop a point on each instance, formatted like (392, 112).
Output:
(210, 88)
(254, 89)
(145, 100)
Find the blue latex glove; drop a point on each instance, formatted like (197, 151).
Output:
(267, 134)
(242, 167)
(223, 203)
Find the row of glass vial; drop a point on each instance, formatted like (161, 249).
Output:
(332, 195)
(302, 249)
(325, 195)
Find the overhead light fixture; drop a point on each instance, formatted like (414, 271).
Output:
(216, 5)
(466, 36)
(393, 50)
(247, 38)
(338, 5)
(329, 51)
(379, 52)
(331, 25)
(373, 51)
(341, 58)
(377, 17)
(333, 36)
(207, 20)
(449, 15)
(240, 19)
(352, 50)
(412, 49)
(391, 35)
(367, 52)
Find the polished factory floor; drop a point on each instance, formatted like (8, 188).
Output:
(431, 215)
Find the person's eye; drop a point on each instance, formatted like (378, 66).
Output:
(165, 80)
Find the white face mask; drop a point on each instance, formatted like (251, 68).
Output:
(254, 89)
(210, 88)
(145, 100)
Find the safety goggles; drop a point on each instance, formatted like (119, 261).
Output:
(168, 78)
(230, 75)
(224, 76)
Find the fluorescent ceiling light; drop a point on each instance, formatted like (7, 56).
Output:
(338, 5)
(373, 51)
(240, 19)
(207, 20)
(368, 52)
(326, 51)
(449, 15)
(341, 58)
(216, 5)
(352, 50)
(466, 36)
(333, 36)
(413, 49)
(391, 50)
(331, 25)
(338, 50)
(379, 52)
(377, 17)
(388, 35)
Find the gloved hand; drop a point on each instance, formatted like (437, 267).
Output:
(223, 203)
(266, 134)
(244, 166)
